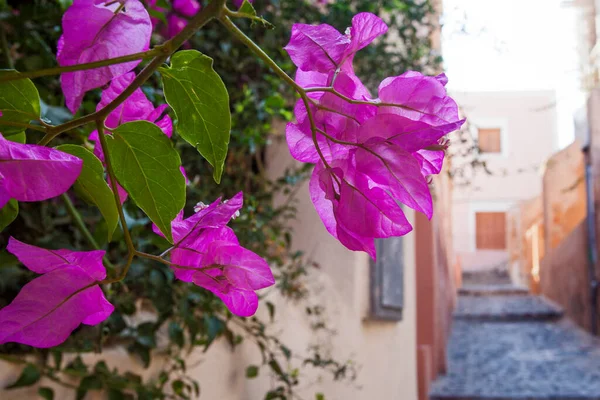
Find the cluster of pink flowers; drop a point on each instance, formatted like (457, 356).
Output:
(177, 18)
(207, 253)
(50, 307)
(371, 154)
(68, 293)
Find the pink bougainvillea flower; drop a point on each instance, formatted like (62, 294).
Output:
(34, 173)
(95, 30)
(177, 18)
(51, 306)
(208, 253)
(371, 154)
(233, 273)
(322, 49)
(137, 107)
(419, 97)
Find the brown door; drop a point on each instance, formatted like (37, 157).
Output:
(490, 230)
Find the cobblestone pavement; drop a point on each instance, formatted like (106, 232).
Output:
(506, 308)
(493, 357)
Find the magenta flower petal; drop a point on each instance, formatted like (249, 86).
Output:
(51, 306)
(323, 195)
(423, 98)
(410, 135)
(237, 273)
(193, 255)
(215, 215)
(369, 211)
(93, 32)
(187, 8)
(395, 171)
(243, 268)
(366, 27)
(317, 48)
(42, 261)
(242, 303)
(137, 106)
(308, 79)
(33, 173)
(431, 161)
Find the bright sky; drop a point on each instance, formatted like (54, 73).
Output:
(491, 45)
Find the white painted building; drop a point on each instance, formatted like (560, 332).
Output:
(517, 132)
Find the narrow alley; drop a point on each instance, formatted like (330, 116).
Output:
(509, 344)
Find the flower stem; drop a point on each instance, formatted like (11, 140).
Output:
(6, 48)
(76, 216)
(82, 67)
(113, 183)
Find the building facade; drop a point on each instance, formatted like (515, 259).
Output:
(515, 133)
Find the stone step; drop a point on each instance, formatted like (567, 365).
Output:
(507, 308)
(525, 361)
(496, 275)
(492, 290)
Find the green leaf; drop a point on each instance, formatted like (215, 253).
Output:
(247, 8)
(76, 367)
(178, 387)
(91, 382)
(201, 102)
(19, 102)
(8, 213)
(147, 166)
(319, 396)
(115, 394)
(29, 376)
(17, 137)
(46, 393)
(176, 334)
(252, 371)
(92, 187)
(157, 14)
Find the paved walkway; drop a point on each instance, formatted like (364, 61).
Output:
(507, 344)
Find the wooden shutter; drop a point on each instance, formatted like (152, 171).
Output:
(490, 140)
(490, 230)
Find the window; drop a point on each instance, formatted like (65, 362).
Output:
(490, 140)
(490, 230)
(387, 280)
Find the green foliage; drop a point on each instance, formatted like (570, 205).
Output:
(92, 187)
(147, 166)
(30, 375)
(19, 102)
(8, 213)
(200, 99)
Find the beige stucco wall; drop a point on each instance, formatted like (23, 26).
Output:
(529, 136)
(384, 353)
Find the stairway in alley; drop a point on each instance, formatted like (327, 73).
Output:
(509, 344)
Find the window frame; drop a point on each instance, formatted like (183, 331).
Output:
(493, 123)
